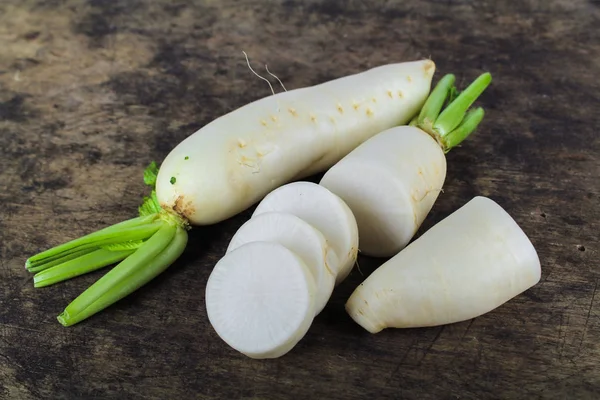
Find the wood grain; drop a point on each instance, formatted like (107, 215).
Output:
(92, 91)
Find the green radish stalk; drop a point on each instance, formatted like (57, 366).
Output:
(228, 165)
(391, 181)
(470, 263)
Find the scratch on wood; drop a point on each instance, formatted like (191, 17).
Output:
(587, 318)
(435, 339)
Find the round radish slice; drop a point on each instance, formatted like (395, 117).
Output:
(260, 299)
(322, 209)
(301, 238)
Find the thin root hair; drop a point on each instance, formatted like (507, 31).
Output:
(276, 77)
(254, 72)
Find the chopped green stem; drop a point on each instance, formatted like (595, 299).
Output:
(140, 274)
(451, 117)
(454, 123)
(56, 260)
(468, 125)
(124, 270)
(434, 103)
(82, 265)
(65, 251)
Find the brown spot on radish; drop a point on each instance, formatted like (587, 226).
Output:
(340, 108)
(313, 118)
(182, 207)
(409, 78)
(369, 112)
(390, 94)
(374, 100)
(429, 65)
(273, 118)
(355, 105)
(263, 122)
(400, 94)
(241, 143)
(293, 112)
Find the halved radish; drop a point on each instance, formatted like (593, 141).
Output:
(322, 209)
(301, 238)
(260, 299)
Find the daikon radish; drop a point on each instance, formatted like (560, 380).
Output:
(391, 181)
(470, 263)
(301, 238)
(260, 299)
(323, 210)
(230, 164)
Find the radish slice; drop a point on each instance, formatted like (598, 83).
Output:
(301, 238)
(322, 209)
(260, 299)
(468, 264)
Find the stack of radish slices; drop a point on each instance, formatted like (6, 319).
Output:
(304, 238)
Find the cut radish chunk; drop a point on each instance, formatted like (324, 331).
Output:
(389, 186)
(322, 209)
(260, 299)
(301, 238)
(471, 262)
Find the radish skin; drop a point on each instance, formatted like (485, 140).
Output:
(260, 299)
(301, 238)
(323, 210)
(470, 263)
(389, 186)
(234, 161)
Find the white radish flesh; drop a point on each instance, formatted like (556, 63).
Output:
(468, 264)
(229, 164)
(301, 238)
(322, 209)
(260, 299)
(390, 183)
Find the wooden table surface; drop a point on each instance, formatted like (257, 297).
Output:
(92, 91)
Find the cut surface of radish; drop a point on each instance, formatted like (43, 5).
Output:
(301, 238)
(322, 209)
(389, 186)
(468, 264)
(260, 299)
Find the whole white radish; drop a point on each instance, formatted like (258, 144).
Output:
(470, 263)
(391, 181)
(301, 238)
(260, 299)
(234, 161)
(323, 210)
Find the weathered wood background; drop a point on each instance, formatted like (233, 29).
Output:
(92, 91)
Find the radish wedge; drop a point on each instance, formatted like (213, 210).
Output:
(322, 209)
(301, 238)
(260, 299)
(468, 264)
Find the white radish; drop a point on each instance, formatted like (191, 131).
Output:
(301, 238)
(470, 263)
(260, 299)
(234, 161)
(392, 180)
(323, 210)
(230, 164)
(389, 186)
